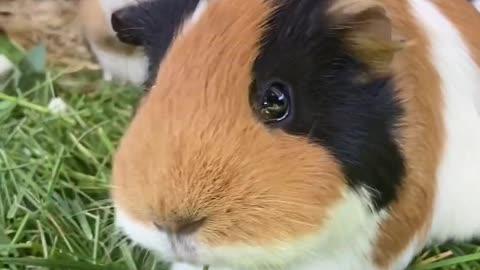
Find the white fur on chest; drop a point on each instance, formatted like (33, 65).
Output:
(457, 199)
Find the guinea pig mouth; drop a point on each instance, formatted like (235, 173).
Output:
(183, 249)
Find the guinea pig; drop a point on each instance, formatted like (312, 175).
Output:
(120, 62)
(152, 24)
(302, 134)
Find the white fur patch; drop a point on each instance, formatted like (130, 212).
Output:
(344, 243)
(458, 202)
(196, 16)
(120, 67)
(407, 255)
(476, 3)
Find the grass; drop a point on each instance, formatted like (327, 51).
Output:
(55, 211)
(54, 169)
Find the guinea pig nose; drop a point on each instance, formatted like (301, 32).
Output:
(117, 22)
(181, 227)
(126, 32)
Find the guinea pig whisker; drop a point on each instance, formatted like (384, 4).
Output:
(292, 203)
(307, 224)
(292, 220)
(131, 28)
(146, 13)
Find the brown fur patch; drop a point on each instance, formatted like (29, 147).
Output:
(368, 33)
(422, 138)
(195, 150)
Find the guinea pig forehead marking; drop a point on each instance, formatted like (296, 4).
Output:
(216, 51)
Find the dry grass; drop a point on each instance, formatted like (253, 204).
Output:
(52, 23)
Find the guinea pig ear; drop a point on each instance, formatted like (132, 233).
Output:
(126, 22)
(367, 32)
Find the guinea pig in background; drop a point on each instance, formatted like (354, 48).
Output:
(302, 134)
(152, 24)
(119, 61)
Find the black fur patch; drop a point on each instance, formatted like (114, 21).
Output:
(354, 120)
(152, 24)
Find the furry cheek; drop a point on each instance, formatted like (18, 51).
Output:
(143, 234)
(349, 217)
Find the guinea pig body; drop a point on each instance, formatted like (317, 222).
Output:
(304, 135)
(120, 62)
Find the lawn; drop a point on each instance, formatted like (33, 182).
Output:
(55, 210)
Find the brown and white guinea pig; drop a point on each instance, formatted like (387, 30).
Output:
(119, 61)
(302, 134)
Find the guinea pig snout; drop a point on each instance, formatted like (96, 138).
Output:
(182, 234)
(125, 29)
(175, 238)
(181, 226)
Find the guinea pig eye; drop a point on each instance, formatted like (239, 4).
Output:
(275, 104)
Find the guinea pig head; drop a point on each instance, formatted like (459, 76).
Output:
(268, 134)
(152, 24)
